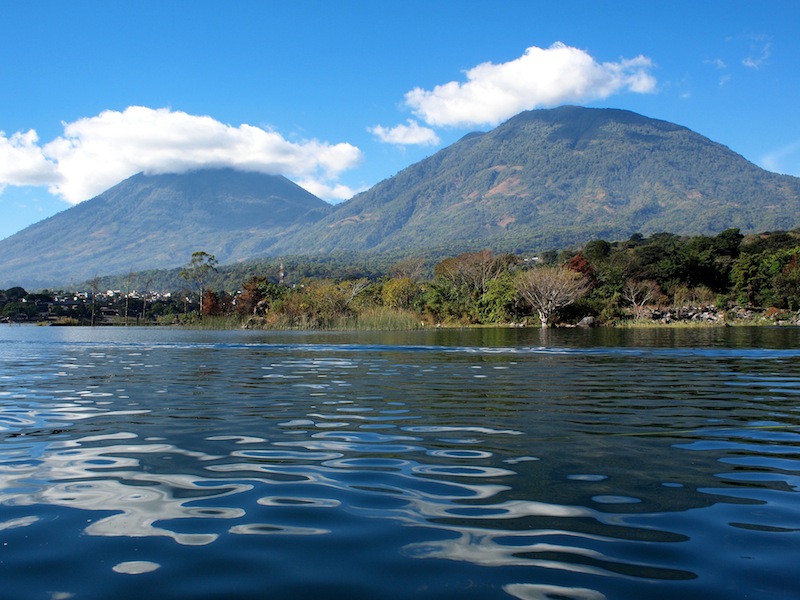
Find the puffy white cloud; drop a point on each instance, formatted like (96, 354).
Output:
(540, 77)
(22, 161)
(413, 133)
(336, 192)
(97, 152)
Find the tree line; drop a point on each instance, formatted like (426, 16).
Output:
(638, 278)
(611, 282)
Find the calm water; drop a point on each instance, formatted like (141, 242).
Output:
(155, 463)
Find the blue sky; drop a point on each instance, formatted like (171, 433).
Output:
(340, 95)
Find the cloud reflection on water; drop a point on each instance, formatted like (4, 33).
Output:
(509, 476)
(74, 474)
(98, 473)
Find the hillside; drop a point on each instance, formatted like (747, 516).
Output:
(150, 222)
(545, 179)
(550, 178)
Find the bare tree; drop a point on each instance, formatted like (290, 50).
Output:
(549, 289)
(353, 289)
(338, 297)
(411, 267)
(473, 270)
(640, 293)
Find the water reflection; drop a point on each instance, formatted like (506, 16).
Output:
(76, 474)
(552, 471)
(531, 591)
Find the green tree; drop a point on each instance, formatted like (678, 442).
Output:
(15, 294)
(399, 292)
(661, 258)
(19, 311)
(787, 282)
(198, 271)
(461, 282)
(258, 295)
(729, 242)
(500, 303)
(767, 278)
(596, 250)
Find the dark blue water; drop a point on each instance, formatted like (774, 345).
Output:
(481, 464)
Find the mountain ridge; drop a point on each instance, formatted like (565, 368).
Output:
(557, 176)
(157, 221)
(544, 179)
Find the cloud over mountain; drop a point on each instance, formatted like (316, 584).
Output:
(541, 77)
(96, 152)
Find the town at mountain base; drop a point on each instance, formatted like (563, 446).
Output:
(545, 179)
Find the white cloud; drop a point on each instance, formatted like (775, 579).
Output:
(760, 51)
(97, 152)
(540, 77)
(333, 192)
(717, 62)
(413, 133)
(755, 62)
(22, 161)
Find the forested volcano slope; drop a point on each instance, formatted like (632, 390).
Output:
(545, 179)
(551, 178)
(157, 221)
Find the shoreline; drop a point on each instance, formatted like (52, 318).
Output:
(212, 323)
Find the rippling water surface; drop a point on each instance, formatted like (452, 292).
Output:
(480, 464)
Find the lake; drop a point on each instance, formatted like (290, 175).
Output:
(469, 464)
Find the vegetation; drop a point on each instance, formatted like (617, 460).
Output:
(664, 278)
(154, 221)
(198, 270)
(544, 179)
(554, 178)
(549, 289)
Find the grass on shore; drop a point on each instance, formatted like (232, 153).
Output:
(374, 319)
(393, 319)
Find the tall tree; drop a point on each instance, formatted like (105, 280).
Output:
(128, 279)
(462, 281)
(198, 270)
(146, 292)
(94, 284)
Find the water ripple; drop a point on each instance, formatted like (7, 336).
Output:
(564, 470)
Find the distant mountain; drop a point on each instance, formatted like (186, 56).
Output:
(545, 179)
(157, 221)
(552, 178)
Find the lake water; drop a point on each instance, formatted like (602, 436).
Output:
(565, 464)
